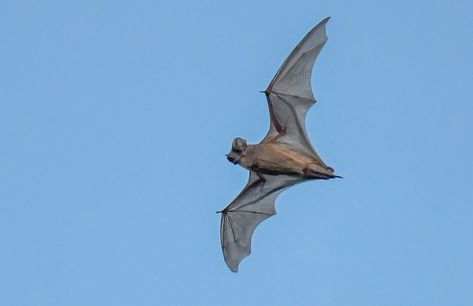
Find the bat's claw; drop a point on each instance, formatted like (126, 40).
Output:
(315, 171)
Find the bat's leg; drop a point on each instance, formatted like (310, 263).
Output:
(315, 171)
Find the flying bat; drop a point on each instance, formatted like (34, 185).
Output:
(283, 158)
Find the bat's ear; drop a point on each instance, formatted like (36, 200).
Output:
(239, 144)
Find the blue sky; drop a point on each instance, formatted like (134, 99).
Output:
(115, 117)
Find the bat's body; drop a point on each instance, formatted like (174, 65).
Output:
(278, 159)
(284, 157)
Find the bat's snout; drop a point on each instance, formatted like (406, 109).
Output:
(231, 158)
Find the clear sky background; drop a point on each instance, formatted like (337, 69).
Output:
(115, 117)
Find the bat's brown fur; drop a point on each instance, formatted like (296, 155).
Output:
(277, 159)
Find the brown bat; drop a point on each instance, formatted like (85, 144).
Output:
(284, 157)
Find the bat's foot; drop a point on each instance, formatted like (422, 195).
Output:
(315, 171)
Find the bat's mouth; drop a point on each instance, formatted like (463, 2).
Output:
(232, 159)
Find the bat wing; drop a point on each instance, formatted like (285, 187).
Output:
(290, 93)
(253, 205)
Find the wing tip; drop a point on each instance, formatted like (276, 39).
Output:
(234, 268)
(234, 263)
(323, 23)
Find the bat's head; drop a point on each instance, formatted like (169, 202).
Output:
(238, 150)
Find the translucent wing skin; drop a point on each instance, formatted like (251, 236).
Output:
(253, 205)
(290, 93)
(289, 97)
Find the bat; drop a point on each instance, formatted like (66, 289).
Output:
(283, 158)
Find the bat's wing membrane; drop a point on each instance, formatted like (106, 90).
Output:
(289, 98)
(252, 206)
(290, 93)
